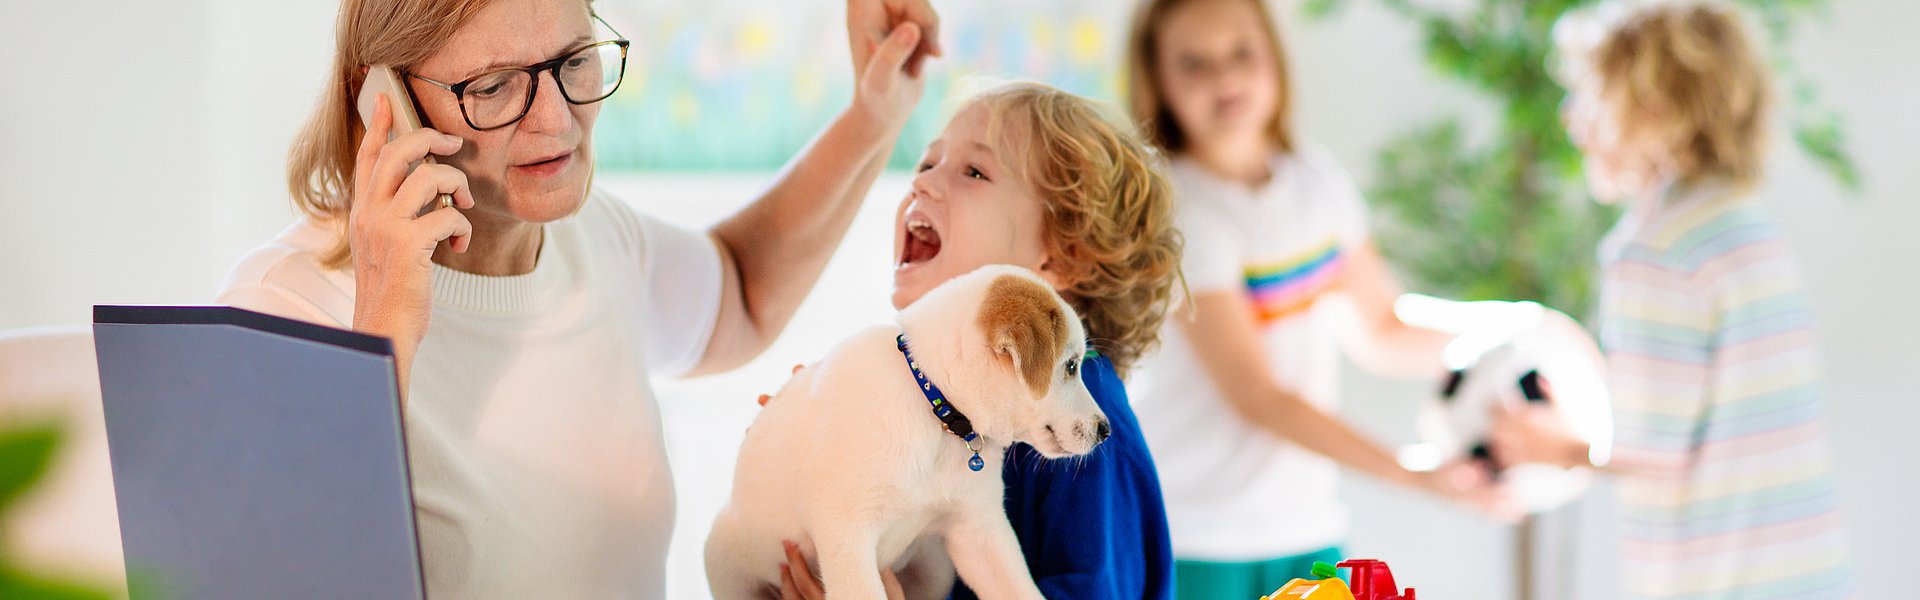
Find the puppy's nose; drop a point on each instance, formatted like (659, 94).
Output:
(1101, 430)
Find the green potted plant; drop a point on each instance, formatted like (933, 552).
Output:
(1509, 218)
(25, 453)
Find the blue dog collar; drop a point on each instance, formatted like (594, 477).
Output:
(950, 417)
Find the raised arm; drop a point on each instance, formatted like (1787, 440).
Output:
(774, 250)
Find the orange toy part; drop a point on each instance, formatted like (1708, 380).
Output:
(1313, 589)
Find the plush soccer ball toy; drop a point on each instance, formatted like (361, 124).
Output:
(1455, 422)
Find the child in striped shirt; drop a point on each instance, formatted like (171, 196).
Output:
(1726, 486)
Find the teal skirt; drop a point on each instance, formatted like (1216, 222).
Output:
(1197, 580)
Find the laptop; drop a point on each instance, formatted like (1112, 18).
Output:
(255, 456)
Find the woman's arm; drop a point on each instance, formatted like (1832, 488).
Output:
(1382, 343)
(774, 250)
(1225, 332)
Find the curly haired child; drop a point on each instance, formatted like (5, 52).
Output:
(1032, 176)
(1725, 480)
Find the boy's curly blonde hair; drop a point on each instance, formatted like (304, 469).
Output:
(1683, 70)
(1108, 209)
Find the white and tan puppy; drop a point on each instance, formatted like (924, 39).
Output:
(849, 461)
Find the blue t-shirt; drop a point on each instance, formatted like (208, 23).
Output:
(1093, 527)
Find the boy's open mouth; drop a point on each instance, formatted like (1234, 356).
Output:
(922, 242)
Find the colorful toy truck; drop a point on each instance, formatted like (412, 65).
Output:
(1372, 580)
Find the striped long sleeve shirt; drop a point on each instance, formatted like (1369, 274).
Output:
(1729, 490)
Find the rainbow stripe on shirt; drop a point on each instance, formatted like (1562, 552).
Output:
(1713, 370)
(1286, 288)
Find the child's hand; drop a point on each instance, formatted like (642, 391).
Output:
(885, 91)
(1469, 483)
(1534, 433)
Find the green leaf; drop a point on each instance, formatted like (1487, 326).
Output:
(24, 456)
(1321, 9)
(15, 585)
(1825, 142)
(1510, 218)
(1448, 49)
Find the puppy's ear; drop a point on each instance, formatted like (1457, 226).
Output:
(1024, 323)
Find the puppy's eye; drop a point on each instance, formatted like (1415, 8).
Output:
(1073, 368)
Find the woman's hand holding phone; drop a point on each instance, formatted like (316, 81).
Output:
(392, 241)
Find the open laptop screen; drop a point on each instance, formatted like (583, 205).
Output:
(255, 456)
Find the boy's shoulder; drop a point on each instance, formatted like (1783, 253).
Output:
(1110, 393)
(1725, 251)
(1103, 382)
(1694, 230)
(1126, 444)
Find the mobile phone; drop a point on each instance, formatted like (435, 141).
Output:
(382, 79)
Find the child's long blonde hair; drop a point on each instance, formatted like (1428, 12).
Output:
(1149, 107)
(1684, 71)
(1108, 211)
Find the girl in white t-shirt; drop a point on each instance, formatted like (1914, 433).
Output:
(1239, 407)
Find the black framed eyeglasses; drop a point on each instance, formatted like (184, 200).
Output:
(502, 97)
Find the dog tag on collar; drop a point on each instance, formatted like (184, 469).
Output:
(950, 417)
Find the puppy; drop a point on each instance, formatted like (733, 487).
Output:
(851, 462)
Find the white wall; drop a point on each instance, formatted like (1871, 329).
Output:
(141, 147)
(142, 144)
(1863, 261)
(98, 144)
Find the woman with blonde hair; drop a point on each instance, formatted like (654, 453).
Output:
(528, 311)
(1726, 485)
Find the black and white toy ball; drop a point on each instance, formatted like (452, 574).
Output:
(1454, 424)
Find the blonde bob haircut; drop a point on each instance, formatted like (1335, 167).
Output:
(400, 33)
(1684, 71)
(1107, 205)
(1145, 97)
